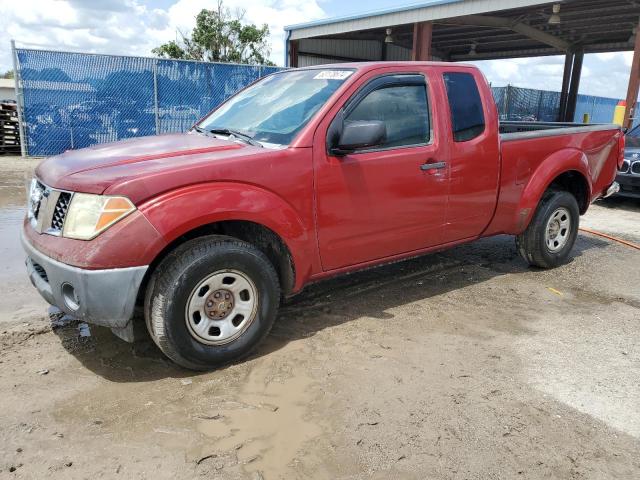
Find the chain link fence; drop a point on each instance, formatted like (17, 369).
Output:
(526, 104)
(74, 100)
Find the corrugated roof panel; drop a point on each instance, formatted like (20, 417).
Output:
(351, 49)
(425, 11)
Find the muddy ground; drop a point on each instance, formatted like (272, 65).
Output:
(465, 364)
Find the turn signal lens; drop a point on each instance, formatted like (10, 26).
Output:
(90, 215)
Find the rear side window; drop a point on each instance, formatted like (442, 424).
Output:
(467, 116)
(402, 108)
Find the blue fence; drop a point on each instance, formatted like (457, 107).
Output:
(526, 104)
(74, 100)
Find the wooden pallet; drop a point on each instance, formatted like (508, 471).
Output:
(9, 132)
(13, 151)
(8, 127)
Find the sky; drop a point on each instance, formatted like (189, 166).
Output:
(134, 27)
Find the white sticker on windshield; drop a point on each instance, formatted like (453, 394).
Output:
(332, 75)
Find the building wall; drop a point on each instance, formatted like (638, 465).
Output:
(7, 89)
(334, 51)
(306, 61)
(397, 53)
(346, 49)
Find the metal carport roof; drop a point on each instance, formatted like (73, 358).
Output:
(498, 28)
(464, 30)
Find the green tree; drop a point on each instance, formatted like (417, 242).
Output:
(7, 74)
(220, 36)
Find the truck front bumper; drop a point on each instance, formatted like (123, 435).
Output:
(101, 297)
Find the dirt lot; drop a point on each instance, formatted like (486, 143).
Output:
(465, 364)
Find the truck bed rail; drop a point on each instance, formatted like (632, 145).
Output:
(525, 130)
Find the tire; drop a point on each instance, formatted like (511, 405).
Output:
(543, 243)
(196, 295)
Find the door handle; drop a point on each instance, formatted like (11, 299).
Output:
(433, 166)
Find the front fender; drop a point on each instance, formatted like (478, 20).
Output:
(179, 211)
(562, 161)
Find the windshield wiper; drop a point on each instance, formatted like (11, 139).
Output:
(235, 133)
(201, 130)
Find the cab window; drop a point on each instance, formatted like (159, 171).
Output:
(467, 116)
(402, 108)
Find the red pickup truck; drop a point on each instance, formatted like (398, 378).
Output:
(306, 174)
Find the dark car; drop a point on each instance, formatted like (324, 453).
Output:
(629, 174)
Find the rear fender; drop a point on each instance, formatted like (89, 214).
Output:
(178, 212)
(562, 161)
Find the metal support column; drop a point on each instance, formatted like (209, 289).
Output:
(634, 84)
(19, 100)
(566, 79)
(574, 85)
(422, 36)
(293, 53)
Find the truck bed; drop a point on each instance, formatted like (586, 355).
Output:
(524, 130)
(523, 157)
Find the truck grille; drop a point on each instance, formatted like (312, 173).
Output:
(48, 208)
(60, 211)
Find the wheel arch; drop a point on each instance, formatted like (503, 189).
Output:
(241, 211)
(576, 184)
(260, 236)
(566, 170)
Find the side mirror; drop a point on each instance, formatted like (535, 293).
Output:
(358, 134)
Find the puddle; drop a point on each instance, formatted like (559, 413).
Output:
(58, 318)
(269, 429)
(84, 330)
(21, 300)
(12, 264)
(12, 211)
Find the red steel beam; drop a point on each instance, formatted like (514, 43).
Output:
(293, 53)
(422, 36)
(634, 83)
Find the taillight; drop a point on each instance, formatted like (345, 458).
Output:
(621, 144)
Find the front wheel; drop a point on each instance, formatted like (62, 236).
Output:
(211, 302)
(549, 238)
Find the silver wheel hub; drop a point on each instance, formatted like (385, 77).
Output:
(558, 230)
(219, 304)
(221, 307)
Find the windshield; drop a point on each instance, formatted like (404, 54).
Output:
(633, 137)
(276, 108)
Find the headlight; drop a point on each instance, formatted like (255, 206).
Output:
(90, 215)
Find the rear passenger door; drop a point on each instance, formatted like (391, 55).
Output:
(379, 202)
(474, 154)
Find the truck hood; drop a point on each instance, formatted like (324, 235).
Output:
(94, 169)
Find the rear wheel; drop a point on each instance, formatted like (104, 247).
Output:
(211, 302)
(549, 238)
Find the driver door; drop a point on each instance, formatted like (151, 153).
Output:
(391, 199)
